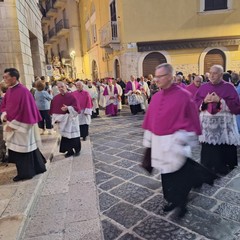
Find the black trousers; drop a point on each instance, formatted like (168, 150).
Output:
(68, 144)
(177, 185)
(46, 120)
(135, 109)
(84, 130)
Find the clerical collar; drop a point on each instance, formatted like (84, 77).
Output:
(14, 85)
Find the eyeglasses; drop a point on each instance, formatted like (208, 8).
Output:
(160, 76)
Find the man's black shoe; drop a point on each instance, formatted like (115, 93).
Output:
(169, 207)
(69, 154)
(182, 211)
(84, 138)
(17, 179)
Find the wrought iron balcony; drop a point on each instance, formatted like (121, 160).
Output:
(50, 10)
(62, 27)
(109, 35)
(52, 35)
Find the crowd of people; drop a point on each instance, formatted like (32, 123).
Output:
(179, 113)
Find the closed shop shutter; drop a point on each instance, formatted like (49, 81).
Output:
(151, 61)
(214, 57)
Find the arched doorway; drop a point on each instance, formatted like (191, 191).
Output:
(151, 61)
(94, 70)
(117, 69)
(213, 57)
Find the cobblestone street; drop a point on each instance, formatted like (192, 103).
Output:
(131, 200)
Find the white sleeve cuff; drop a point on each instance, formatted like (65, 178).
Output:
(88, 111)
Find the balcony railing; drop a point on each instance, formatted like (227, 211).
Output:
(62, 24)
(109, 34)
(49, 5)
(50, 10)
(52, 33)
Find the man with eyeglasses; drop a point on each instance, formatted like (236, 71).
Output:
(171, 124)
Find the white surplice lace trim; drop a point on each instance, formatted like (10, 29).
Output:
(220, 128)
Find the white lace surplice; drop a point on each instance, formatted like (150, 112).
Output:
(220, 128)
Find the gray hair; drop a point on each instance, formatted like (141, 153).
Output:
(79, 83)
(167, 66)
(218, 67)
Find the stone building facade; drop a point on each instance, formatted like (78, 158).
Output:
(21, 41)
(61, 37)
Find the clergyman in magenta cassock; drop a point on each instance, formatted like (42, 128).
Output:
(218, 103)
(171, 128)
(85, 105)
(64, 110)
(21, 132)
(111, 95)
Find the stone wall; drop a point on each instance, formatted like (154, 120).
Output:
(186, 68)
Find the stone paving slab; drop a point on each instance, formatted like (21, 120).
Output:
(125, 214)
(106, 201)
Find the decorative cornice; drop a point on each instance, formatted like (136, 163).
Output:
(188, 43)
